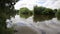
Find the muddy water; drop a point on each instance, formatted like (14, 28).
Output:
(31, 26)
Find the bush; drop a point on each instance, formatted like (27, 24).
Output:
(25, 10)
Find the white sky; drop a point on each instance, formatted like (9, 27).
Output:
(31, 3)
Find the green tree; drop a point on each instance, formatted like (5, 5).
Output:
(25, 12)
(48, 11)
(38, 10)
(58, 14)
(6, 10)
(55, 10)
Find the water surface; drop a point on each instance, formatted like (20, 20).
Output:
(36, 24)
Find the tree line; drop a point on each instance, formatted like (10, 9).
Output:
(40, 11)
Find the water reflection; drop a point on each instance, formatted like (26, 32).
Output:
(39, 18)
(47, 25)
(25, 15)
(58, 18)
(50, 26)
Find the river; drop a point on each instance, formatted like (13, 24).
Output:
(35, 25)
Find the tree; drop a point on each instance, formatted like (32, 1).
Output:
(25, 12)
(6, 10)
(55, 10)
(58, 14)
(38, 10)
(48, 11)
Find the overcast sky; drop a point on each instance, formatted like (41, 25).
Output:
(31, 3)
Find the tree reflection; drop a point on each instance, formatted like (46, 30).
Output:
(37, 18)
(25, 15)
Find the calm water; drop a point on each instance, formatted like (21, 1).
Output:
(37, 24)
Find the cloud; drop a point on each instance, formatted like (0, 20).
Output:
(52, 4)
(31, 3)
(25, 3)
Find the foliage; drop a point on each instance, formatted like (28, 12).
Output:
(6, 11)
(55, 10)
(48, 11)
(58, 14)
(38, 10)
(44, 11)
(25, 10)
